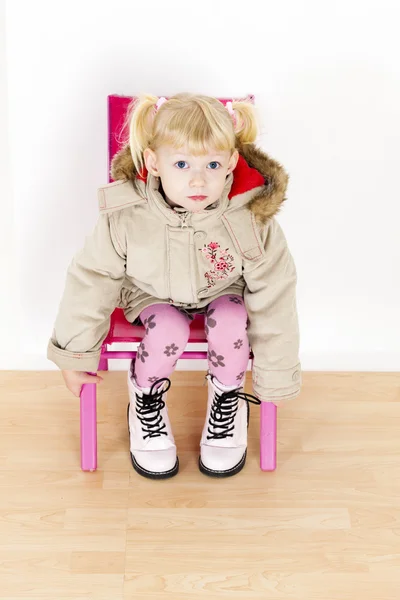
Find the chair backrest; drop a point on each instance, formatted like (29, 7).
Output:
(117, 107)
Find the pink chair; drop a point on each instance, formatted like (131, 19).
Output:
(123, 331)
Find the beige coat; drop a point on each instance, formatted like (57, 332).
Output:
(142, 251)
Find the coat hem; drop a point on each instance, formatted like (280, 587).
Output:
(277, 399)
(132, 313)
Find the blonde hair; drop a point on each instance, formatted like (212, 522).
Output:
(195, 121)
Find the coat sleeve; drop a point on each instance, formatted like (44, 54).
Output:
(273, 330)
(94, 280)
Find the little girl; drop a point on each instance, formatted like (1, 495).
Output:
(187, 226)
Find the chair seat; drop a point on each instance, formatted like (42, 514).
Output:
(122, 330)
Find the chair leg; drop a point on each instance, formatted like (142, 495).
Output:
(103, 362)
(88, 427)
(268, 423)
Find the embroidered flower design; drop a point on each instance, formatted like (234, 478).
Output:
(213, 245)
(141, 353)
(221, 262)
(235, 300)
(171, 350)
(221, 265)
(237, 345)
(240, 376)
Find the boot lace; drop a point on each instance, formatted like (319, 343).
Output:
(223, 412)
(148, 410)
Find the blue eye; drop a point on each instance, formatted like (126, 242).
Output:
(214, 162)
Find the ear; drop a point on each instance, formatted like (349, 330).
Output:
(233, 162)
(150, 160)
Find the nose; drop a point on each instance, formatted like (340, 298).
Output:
(197, 181)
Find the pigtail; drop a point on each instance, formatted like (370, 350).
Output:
(245, 122)
(140, 124)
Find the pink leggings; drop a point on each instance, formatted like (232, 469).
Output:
(167, 333)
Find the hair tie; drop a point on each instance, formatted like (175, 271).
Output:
(231, 112)
(160, 102)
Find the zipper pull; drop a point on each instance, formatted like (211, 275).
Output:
(183, 220)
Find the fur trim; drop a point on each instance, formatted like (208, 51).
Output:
(269, 199)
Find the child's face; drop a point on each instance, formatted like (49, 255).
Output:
(183, 175)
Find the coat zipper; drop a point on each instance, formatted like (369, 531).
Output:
(183, 219)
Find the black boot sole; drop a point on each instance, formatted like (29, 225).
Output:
(151, 474)
(221, 474)
(236, 469)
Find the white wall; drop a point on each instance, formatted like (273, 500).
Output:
(9, 289)
(327, 83)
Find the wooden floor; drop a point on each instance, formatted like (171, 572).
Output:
(324, 525)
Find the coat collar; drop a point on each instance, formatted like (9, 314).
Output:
(150, 188)
(258, 181)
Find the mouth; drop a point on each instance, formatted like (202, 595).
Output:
(197, 197)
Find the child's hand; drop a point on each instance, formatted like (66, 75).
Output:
(75, 379)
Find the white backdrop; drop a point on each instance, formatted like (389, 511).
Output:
(327, 84)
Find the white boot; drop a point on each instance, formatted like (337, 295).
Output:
(152, 444)
(223, 445)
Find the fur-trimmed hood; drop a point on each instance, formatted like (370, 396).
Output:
(254, 170)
